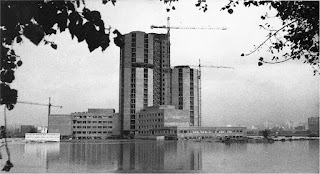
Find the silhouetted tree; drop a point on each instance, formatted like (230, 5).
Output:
(35, 20)
(299, 31)
(265, 133)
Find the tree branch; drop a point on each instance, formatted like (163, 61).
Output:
(269, 38)
(276, 62)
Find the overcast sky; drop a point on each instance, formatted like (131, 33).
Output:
(77, 79)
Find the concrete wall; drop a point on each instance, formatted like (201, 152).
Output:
(60, 124)
(101, 111)
(175, 117)
(116, 124)
(175, 87)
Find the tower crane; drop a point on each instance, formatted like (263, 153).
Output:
(41, 104)
(199, 86)
(168, 27)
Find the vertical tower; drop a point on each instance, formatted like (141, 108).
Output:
(185, 91)
(161, 52)
(144, 75)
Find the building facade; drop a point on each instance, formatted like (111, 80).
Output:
(216, 133)
(160, 120)
(185, 91)
(170, 123)
(60, 123)
(144, 75)
(95, 124)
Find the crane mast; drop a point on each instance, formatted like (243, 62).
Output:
(41, 104)
(200, 86)
(168, 27)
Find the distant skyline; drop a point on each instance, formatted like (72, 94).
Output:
(247, 95)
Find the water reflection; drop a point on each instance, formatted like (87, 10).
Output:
(165, 156)
(161, 156)
(138, 156)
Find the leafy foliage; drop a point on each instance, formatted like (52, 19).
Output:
(37, 19)
(201, 4)
(299, 32)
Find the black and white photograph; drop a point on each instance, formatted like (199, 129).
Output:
(159, 86)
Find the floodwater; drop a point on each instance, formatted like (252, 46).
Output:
(146, 156)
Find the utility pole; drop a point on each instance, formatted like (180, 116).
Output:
(40, 104)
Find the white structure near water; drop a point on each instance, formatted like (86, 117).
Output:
(42, 137)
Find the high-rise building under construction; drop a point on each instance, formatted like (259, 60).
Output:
(144, 75)
(185, 91)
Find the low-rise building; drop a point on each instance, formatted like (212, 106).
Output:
(93, 124)
(217, 133)
(170, 123)
(160, 120)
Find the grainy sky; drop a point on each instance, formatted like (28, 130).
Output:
(77, 79)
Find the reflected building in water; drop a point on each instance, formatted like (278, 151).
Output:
(173, 156)
(123, 157)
